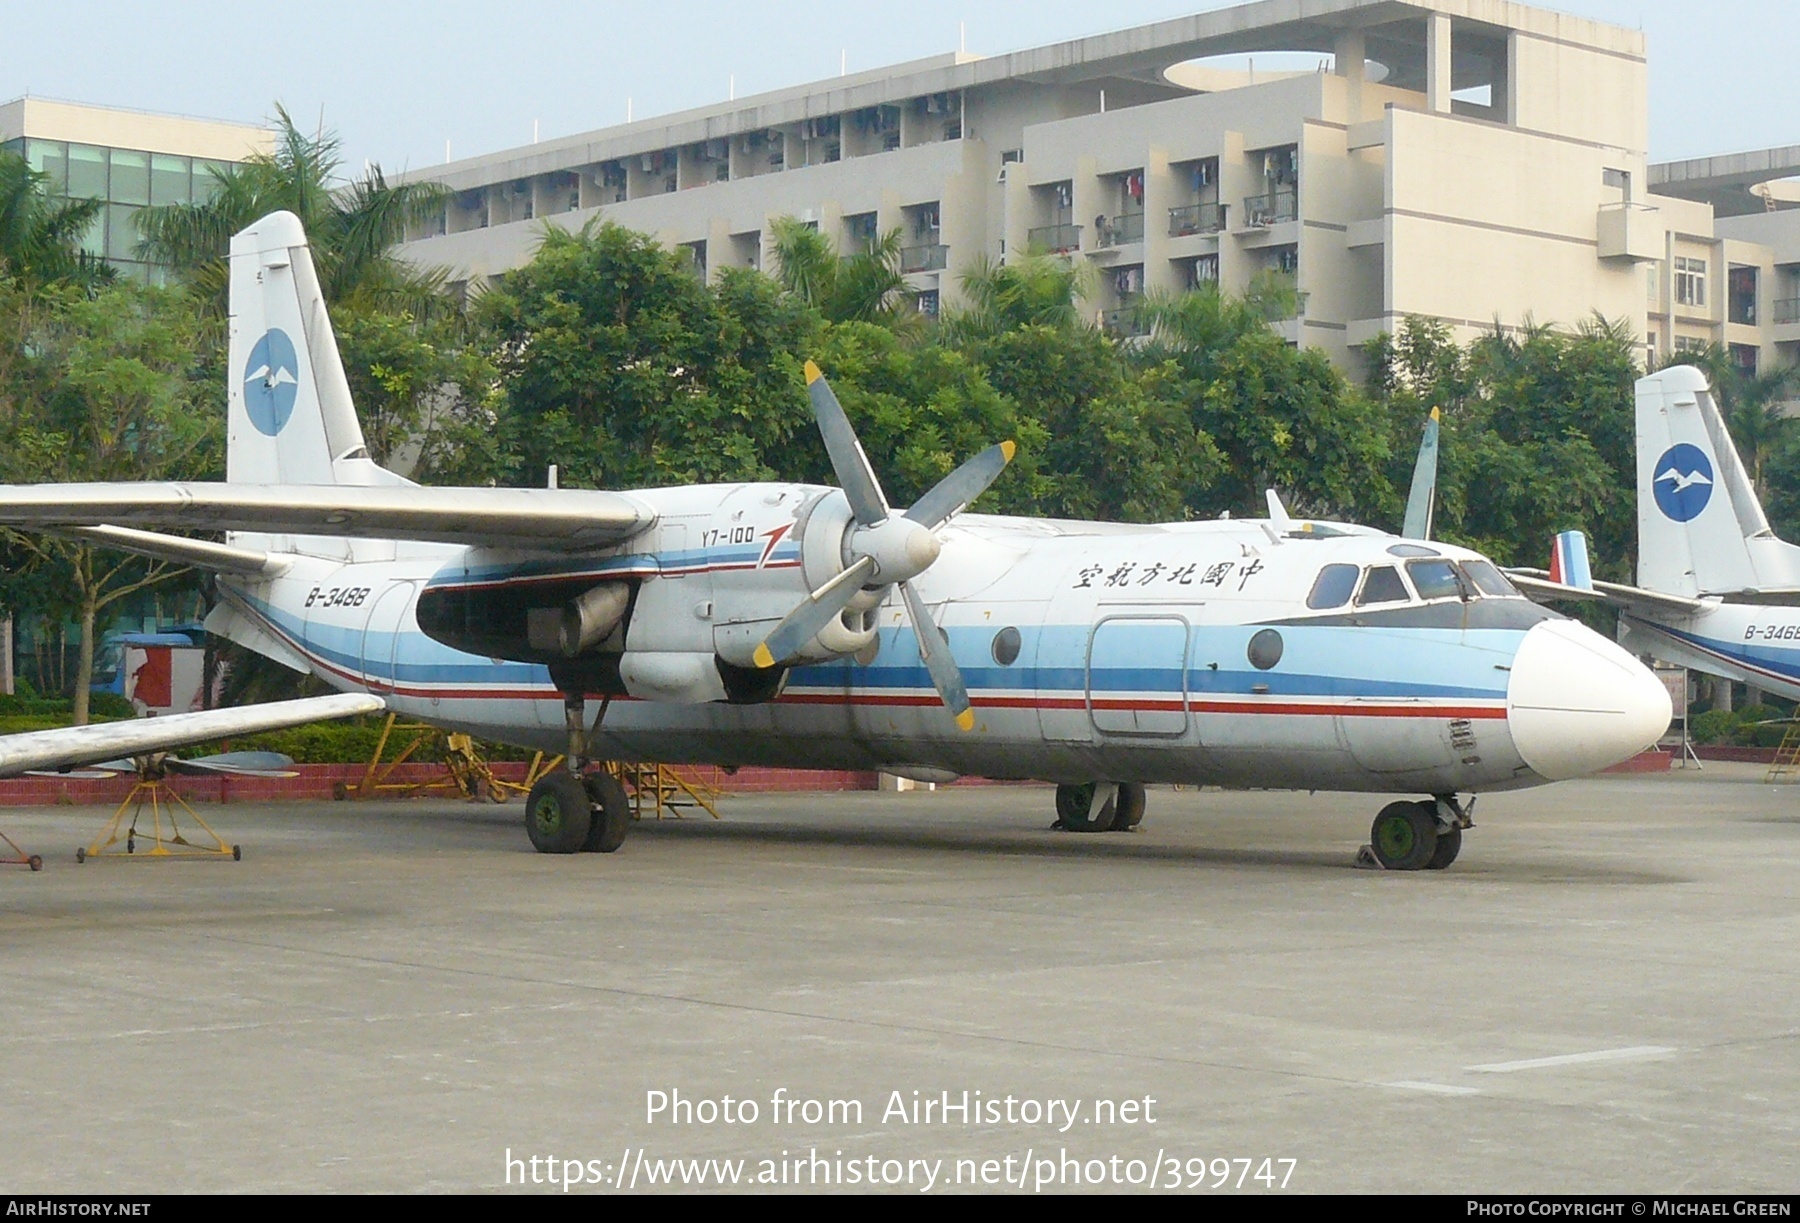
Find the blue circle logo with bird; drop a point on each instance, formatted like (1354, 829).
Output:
(271, 382)
(1683, 481)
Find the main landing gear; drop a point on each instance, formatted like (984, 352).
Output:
(1419, 836)
(1100, 807)
(570, 812)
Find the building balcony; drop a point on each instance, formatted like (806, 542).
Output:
(1262, 211)
(1630, 231)
(1122, 230)
(1196, 219)
(930, 258)
(1786, 310)
(1057, 239)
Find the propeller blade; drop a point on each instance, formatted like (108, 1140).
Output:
(848, 461)
(934, 650)
(961, 486)
(803, 623)
(235, 764)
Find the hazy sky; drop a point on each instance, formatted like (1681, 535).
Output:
(397, 78)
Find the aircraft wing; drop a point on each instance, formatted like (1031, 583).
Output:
(563, 520)
(49, 749)
(1538, 585)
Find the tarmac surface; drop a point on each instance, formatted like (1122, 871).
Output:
(1602, 994)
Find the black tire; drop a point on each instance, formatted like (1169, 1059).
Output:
(35, 862)
(1131, 803)
(1073, 804)
(611, 814)
(1449, 844)
(80, 856)
(237, 853)
(1404, 836)
(557, 814)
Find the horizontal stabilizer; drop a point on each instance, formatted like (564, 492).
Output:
(214, 558)
(560, 520)
(49, 749)
(1540, 587)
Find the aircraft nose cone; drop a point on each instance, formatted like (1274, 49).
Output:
(1577, 703)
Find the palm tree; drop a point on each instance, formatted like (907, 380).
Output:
(40, 239)
(864, 287)
(351, 228)
(1034, 291)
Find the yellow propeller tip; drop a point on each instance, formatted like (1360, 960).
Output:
(813, 373)
(966, 720)
(1434, 413)
(1009, 449)
(763, 658)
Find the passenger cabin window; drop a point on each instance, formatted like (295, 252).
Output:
(1383, 585)
(1490, 581)
(1435, 579)
(1333, 587)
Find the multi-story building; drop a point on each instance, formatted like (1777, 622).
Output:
(1730, 270)
(128, 158)
(1468, 160)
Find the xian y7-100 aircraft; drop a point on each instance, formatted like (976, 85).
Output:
(813, 627)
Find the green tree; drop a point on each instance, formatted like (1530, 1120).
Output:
(1280, 416)
(622, 367)
(1034, 291)
(109, 395)
(352, 228)
(40, 239)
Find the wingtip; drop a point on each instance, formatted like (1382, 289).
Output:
(813, 373)
(966, 720)
(1009, 449)
(762, 657)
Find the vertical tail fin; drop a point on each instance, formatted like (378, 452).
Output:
(1419, 502)
(1701, 529)
(290, 420)
(1569, 561)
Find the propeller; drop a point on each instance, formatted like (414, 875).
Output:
(885, 549)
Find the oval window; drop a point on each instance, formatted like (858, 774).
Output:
(1006, 646)
(1265, 649)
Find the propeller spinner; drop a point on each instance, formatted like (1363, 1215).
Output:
(885, 549)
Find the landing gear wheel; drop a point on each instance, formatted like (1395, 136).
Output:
(1131, 803)
(557, 814)
(1404, 836)
(611, 814)
(80, 856)
(1448, 845)
(1075, 803)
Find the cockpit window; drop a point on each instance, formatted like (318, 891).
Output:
(1490, 581)
(1383, 585)
(1333, 587)
(1435, 579)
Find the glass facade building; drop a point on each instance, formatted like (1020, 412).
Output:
(127, 180)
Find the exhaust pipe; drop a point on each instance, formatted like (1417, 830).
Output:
(590, 619)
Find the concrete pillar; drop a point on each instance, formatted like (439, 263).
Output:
(1351, 52)
(1160, 190)
(1752, 695)
(1721, 694)
(1437, 63)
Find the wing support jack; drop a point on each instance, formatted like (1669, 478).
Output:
(154, 789)
(19, 856)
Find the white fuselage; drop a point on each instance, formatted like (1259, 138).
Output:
(1182, 653)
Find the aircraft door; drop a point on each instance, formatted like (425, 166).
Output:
(381, 635)
(1137, 676)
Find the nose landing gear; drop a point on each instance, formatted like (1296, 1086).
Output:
(1418, 836)
(1097, 807)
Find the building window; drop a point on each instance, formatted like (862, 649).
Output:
(1740, 295)
(928, 303)
(1689, 343)
(1744, 357)
(1690, 281)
